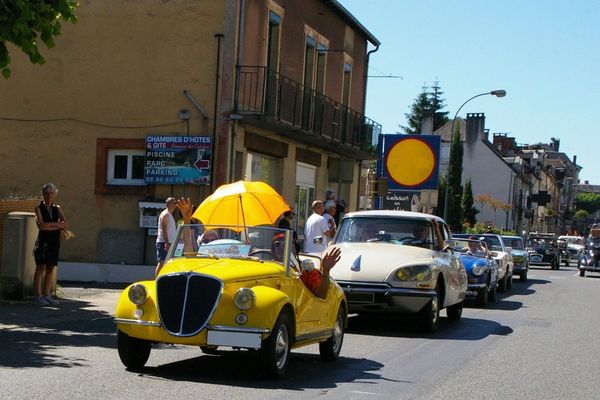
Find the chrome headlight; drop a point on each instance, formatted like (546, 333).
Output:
(414, 273)
(137, 294)
(478, 270)
(244, 298)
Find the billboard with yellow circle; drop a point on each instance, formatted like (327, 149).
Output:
(410, 162)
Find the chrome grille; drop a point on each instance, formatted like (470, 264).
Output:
(186, 301)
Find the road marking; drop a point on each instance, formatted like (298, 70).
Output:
(369, 393)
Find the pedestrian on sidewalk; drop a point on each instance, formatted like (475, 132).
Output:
(167, 230)
(50, 220)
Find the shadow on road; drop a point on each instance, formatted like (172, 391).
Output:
(29, 334)
(407, 326)
(239, 368)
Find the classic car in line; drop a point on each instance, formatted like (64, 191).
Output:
(543, 250)
(575, 247)
(519, 254)
(501, 254)
(399, 262)
(232, 292)
(590, 259)
(482, 269)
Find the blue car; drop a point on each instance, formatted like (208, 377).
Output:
(482, 269)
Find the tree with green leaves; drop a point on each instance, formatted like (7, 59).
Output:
(469, 210)
(428, 103)
(420, 107)
(588, 201)
(454, 217)
(440, 118)
(25, 22)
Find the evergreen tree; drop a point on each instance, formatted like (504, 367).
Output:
(437, 104)
(420, 107)
(469, 210)
(454, 217)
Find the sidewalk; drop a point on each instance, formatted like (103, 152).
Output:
(77, 302)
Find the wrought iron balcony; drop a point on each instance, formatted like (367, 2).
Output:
(278, 101)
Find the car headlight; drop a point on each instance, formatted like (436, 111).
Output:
(548, 251)
(478, 270)
(414, 273)
(244, 298)
(137, 294)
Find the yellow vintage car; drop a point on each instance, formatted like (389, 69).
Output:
(243, 290)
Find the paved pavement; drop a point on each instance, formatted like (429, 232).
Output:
(99, 300)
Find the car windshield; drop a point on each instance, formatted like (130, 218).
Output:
(239, 242)
(405, 231)
(470, 247)
(515, 242)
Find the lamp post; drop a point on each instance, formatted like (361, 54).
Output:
(497, 93)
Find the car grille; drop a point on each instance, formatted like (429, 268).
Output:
(186, 301)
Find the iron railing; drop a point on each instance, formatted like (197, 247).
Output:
(270, 95)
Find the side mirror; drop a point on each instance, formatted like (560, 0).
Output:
(318, 239)
(508, 249)
(448, 245)
(307, 264)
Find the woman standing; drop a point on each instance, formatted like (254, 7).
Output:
(50, 220)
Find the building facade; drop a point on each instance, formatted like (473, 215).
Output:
(277, 87)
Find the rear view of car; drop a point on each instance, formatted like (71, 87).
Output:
(519, 254)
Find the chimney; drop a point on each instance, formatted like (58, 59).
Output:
(475, 127)
(575, 159)
(427, 124)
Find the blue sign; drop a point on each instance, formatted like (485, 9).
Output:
(177, 160)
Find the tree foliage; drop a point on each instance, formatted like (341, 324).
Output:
(428, 103)
(25, 22)
(589, 202)
(454, 216)
(437, 105)
(469, 210)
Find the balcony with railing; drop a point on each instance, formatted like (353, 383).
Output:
(277, 102)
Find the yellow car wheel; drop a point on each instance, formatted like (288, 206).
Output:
(275, 350)
(133, 352)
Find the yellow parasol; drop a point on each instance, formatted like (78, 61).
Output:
(242, 203)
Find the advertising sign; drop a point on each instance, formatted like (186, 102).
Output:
(411, 165)
(177, 160)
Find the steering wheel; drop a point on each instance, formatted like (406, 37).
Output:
(263, 254)
(410, 238)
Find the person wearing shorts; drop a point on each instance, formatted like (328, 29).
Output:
(50, 220)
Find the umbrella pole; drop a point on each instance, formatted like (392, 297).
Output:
(243, 217)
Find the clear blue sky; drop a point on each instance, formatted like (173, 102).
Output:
(546, 55)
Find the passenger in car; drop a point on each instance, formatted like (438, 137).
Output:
(316, 281)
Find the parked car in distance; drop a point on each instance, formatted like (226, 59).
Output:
(543, 250)
(575, 247)
(501, 254)
(243, 290)
(519, 254)
(399, 262)
(590, 259)
(482, 269)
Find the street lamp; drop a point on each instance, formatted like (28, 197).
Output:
(497, 93)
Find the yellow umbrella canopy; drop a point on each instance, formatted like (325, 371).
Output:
(242, 203)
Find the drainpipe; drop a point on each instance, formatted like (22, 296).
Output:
(219, 36)
(240, 49)
(365, 76)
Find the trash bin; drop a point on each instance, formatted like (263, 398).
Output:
(18, 265)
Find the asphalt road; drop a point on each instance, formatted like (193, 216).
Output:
(539, 341)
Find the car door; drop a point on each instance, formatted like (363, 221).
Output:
(311, 311)
(455, 274)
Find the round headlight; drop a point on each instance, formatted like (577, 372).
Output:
(477, 270)
(402, 274)
(137, 294)
(244, 298)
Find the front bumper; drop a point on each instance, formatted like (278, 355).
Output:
(382, 298)
(473, 289)
(540, 259)
(215, 335)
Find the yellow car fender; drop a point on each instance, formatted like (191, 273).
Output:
(270, 302)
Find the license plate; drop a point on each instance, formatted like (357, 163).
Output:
(365, 298)
(234, 339)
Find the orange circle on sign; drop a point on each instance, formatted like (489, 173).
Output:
(410, 162)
